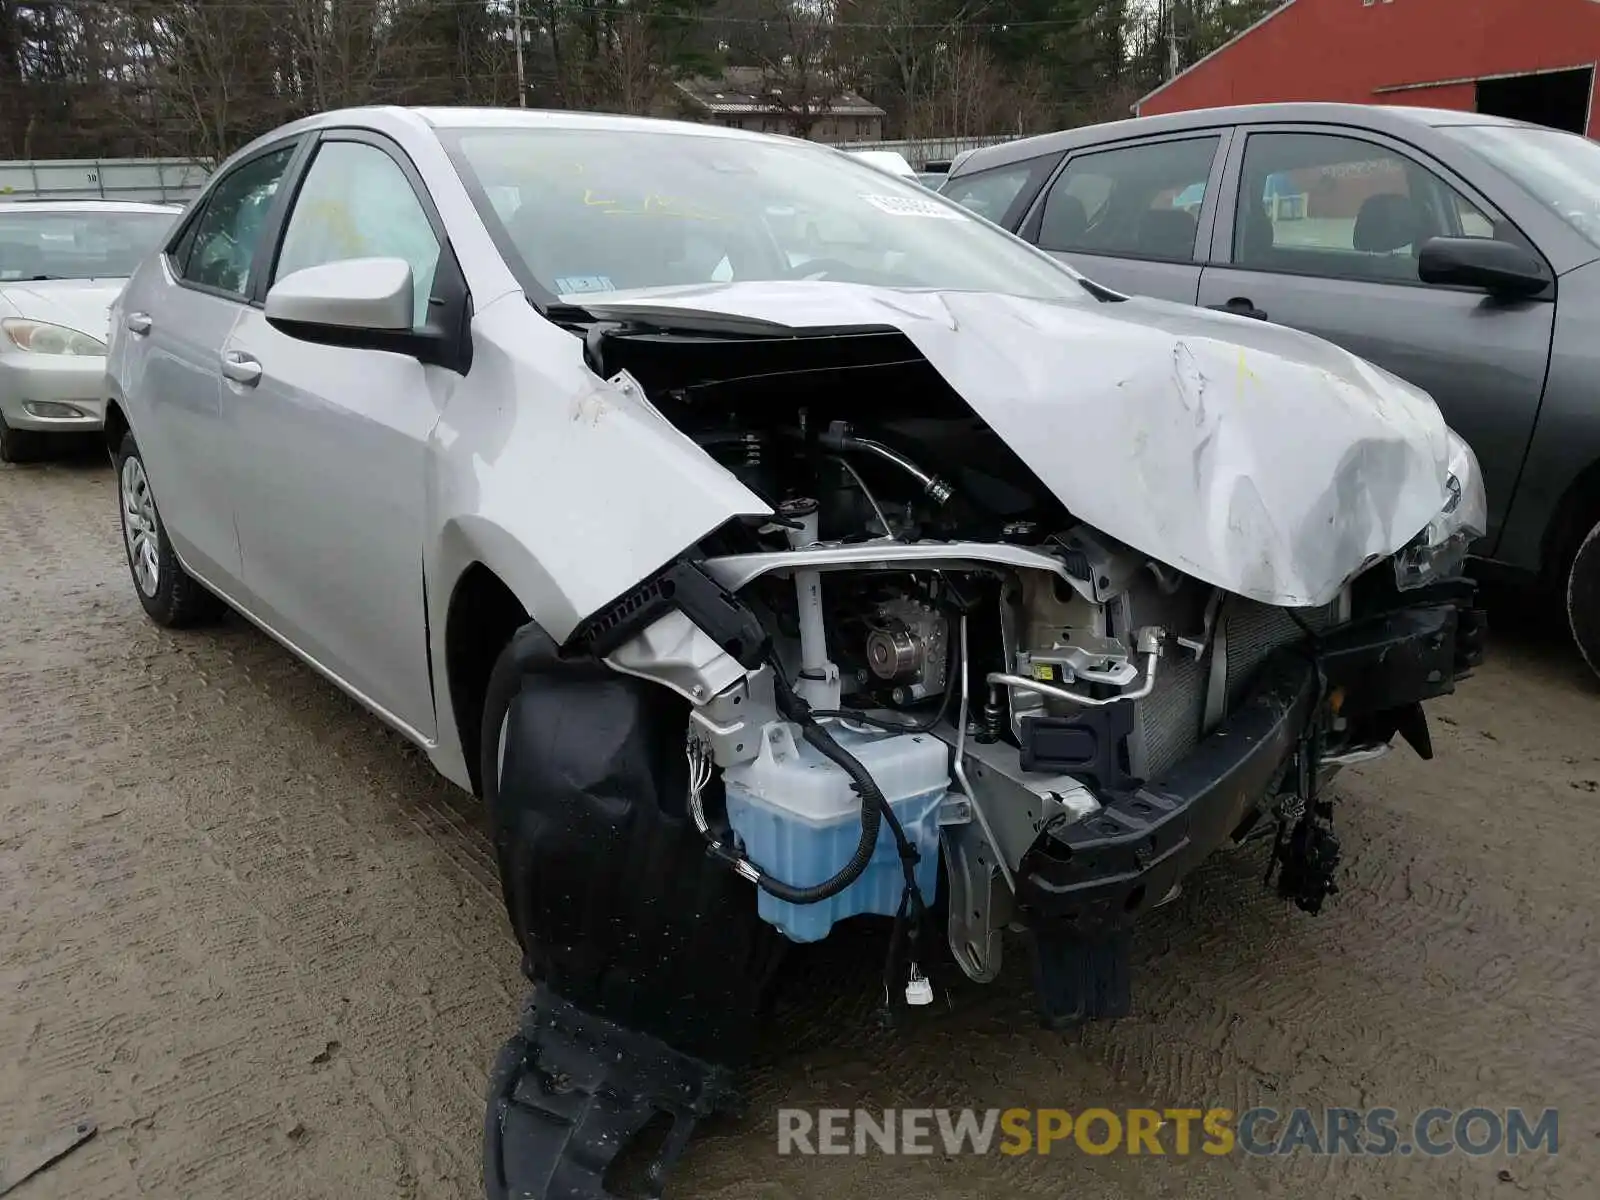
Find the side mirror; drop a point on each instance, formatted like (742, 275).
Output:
(360, 304)
(1499, 268)
(369, 304)
(371, 294)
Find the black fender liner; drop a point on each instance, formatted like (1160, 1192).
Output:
(571, 1090)
(649, 957)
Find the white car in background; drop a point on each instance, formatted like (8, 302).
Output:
(891, 161)
(62, 263)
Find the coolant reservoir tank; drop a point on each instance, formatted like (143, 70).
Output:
(800, 820)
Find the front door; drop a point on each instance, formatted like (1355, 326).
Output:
(1131, 216)
(1322, 235)
(332, 503)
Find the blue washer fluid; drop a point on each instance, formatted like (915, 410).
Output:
(800, 821)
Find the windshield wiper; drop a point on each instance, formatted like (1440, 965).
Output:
(1101, 292)
(640, 316)
(563, 314)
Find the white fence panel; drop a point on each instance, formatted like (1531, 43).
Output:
(170, 180)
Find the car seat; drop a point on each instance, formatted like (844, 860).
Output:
(1387, 222)
(1166, 233)
(1062, 225)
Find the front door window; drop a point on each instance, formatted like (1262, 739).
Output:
(356, 202)
(1345, 208)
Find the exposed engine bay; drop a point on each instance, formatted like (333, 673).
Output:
(919, 689)
(923, 597)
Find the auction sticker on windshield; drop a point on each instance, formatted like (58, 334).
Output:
(914, 206)
(569, 284)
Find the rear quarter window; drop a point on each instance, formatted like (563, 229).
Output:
(993, 193)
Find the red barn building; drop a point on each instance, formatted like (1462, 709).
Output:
(1533, 60)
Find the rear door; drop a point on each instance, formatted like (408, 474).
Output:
(1320, 229)
(1135, 215)
(178, 313)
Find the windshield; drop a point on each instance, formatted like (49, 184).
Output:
(582, 211)
(1562, 170)
(78, 245)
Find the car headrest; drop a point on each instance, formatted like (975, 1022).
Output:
(1385, 223)
(1167, 233)
(1064, 221)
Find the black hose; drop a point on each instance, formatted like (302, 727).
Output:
(873, 803)
(838, 437)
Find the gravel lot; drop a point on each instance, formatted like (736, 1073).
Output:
(251, 934)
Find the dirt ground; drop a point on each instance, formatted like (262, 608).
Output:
(254, 937)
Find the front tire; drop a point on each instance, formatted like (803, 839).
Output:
(171, 596)
(1583, 598)
(18, 445)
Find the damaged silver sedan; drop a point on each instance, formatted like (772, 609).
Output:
(771, 543)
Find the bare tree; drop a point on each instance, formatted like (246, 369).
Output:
(968, 94)
(791, 44)
(632, 73)
(203, 64)
(337, 48)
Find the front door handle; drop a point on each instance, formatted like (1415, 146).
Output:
(138, 323)
(241, 368)
(1241, 306)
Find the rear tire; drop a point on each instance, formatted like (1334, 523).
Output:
(171, 596)
(18, 445)
(1583, 598)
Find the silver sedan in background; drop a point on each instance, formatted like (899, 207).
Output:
(62, 263)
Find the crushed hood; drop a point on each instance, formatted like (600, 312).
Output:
(81, 304)
(1262, 460)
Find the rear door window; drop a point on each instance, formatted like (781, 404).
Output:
(230, 228)
(1139, 201)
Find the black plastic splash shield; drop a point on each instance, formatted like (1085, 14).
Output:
(612, 895)
(572, 1090)
(650, 960)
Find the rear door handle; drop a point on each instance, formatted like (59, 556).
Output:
(138, 323)
(1241, 306)
(241, 368)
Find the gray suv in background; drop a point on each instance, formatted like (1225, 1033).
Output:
(1459, 251)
